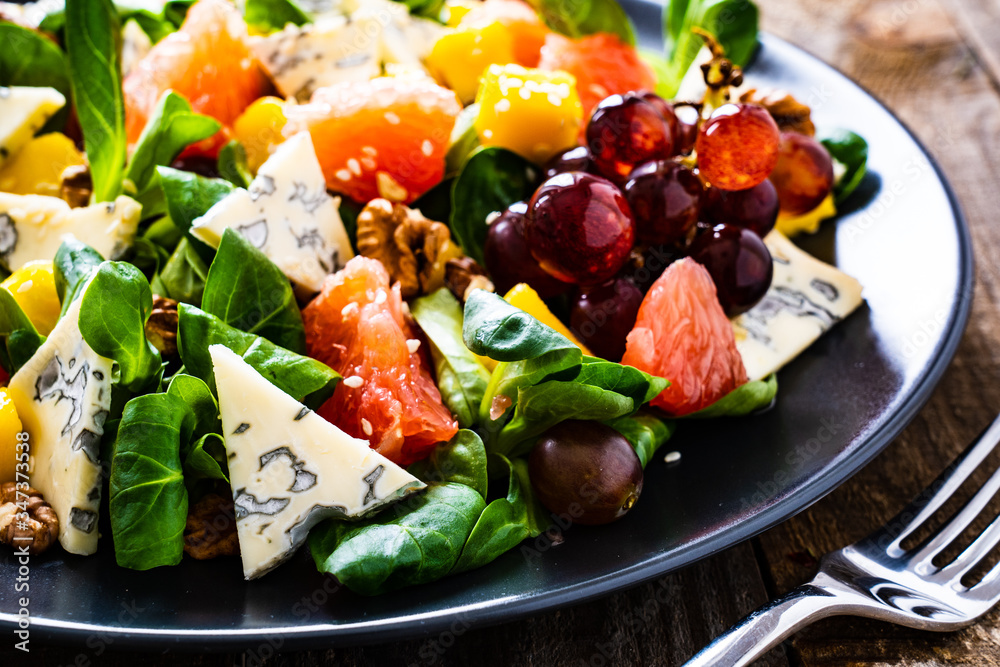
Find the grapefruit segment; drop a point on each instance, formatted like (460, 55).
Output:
(357, 326)
(208, 62)
(682, 334)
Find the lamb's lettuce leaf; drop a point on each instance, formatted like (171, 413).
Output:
(183, 275)
(491, 180)
(232, 164)
(148, 502)
(20, 338)
(75, 262)
(204, 454)
(303, 378)
(93, 42)
(578, 18)
(462, 459)
(270, 15)
(189, 196)
(116, 305)
(645, 432)
(743, 400)
(460, 377)
(850, 150)
(28, 58)
(246, 290)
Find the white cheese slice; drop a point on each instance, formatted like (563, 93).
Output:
(403, 39)
(301, 59)
(63, 395)
(287, 214)
(34, 226)
(805, 299)
(23, 111)
(290, 468)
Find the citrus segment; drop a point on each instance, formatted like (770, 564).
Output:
(386, 137)
(522, 22)
(682, 334)
(357, 326)
(207, 61)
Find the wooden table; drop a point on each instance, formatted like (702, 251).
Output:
(936, 63)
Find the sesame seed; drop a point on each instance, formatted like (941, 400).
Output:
(353, 165)
(427, 148)
(350, 308)
(368, 163)
(412, 344)
(343, 175)
(672, 457)
(381, 296)
(370, 151)
(392, 118)
(366, 426)
(25, 286)
(389, 188)
(354, 382)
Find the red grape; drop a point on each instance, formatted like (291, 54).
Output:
(755, 208)
(666, 111)
(738, 146)
(508, 260)
(626, 131)
(664, 197)
(572, 159)
(585, 470)
(603, 315)
(739, 263)
(686, 132)
(803, 175)
(579, 228)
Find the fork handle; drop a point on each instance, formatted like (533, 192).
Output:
(766, 627)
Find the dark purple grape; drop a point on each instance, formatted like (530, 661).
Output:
(686, 133)
(665, 199)
(650, 264)
(197, 164)
(573, 159)
(755, 208)
(508, 259)
(603, 315)
(666, 111)
(626, 131)
(586, 471)
(739, 263)
(579, 228)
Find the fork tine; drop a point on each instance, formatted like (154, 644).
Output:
(974, 553)
(940, 490)
(988, 588)
(950, 531)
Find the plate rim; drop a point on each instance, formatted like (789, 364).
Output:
(488, 613)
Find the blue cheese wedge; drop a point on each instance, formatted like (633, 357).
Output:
(290, 468)
(23, 112)
(63, 395)
(34, 226)
(287, 214)
(806, 298)
(301, 59)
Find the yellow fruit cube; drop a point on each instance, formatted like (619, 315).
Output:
(10, 426)
(532, 112)
(455, 10)
(459, 59)
(791, 225)
(34, 289)
(524, 297)
(260, 128)
(37, 168)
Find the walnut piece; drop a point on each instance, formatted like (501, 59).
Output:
(161, 329)
(790, 114)
(413, 249)
(463, 274)
(76, 185)
(39, 531)
(210, 530)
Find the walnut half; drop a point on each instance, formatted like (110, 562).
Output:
(161, 329)
(210, 530)
(413, 249)
(790, 114)
(41, 528)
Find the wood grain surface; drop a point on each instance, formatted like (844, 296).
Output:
(935, 63)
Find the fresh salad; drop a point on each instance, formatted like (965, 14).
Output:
(400, 283)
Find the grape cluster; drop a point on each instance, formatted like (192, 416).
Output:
(613, 213)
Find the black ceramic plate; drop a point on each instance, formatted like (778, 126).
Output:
(838, 405)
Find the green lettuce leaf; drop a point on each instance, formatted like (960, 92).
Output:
(28, 58)
(741, 401)
(184, 273)
(851, 150)
(462, 460)
(271, 15)
(189, 196)
(645, 432)
(20, 339)
(578, 18)
(232, 164)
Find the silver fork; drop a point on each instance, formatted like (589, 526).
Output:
(878, 579)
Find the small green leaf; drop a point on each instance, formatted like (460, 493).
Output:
(113, 315)
(171, 129)
(246, 290)
(413, 542)
(305, 379)
(20, 339)
(578, 18)
(148, 503)
(850, 150)
(741, 401)
(462, 460)
(460, 377)
(644, 432)
(232, 164)
(464, 140)
(189, 196)
(271, 15)
(75, 262)
(183, 276)
(93, 42)
(28, 58)
(491, 180)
